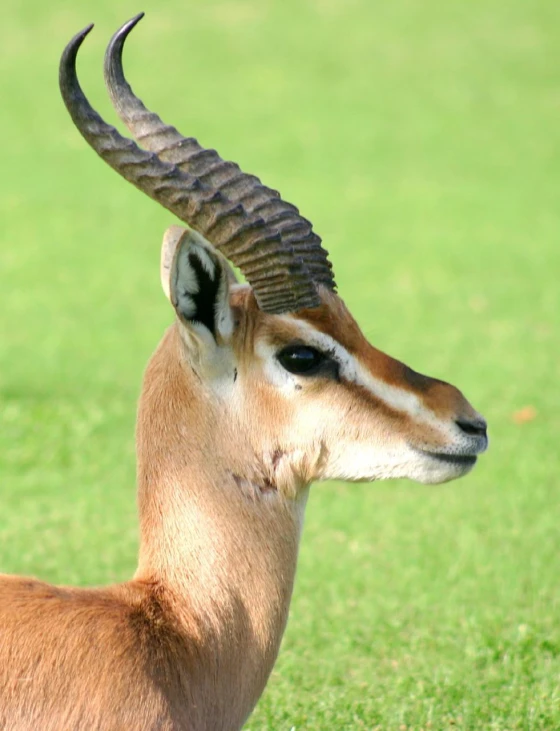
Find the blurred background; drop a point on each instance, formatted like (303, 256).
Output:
(423, 141)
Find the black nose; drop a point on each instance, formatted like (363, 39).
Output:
(472, 427)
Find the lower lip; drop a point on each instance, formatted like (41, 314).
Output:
(458, 459)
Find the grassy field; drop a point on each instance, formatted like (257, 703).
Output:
(423, 140)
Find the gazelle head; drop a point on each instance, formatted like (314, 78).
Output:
(281, 356)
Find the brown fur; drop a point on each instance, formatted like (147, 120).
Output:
(222, 483)
(190, 642)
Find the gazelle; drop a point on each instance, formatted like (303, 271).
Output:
(254, 392)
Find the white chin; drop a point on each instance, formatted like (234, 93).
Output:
(360, 465)
(435, 470)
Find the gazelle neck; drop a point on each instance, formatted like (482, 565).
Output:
(220, 543)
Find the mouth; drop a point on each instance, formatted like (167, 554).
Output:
(464, 460)
(437, 467)
(443, 466)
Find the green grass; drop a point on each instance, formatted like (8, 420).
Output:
(423, 139)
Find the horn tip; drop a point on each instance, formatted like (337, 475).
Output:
(117, 41)
(83, 33)
(127, 27)
(68, 58)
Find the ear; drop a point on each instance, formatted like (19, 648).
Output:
(196, 279)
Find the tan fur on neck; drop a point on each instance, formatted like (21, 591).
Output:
(225, 457)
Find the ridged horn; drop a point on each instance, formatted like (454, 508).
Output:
(279, 277)
(189, 156)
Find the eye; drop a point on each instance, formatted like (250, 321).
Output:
(300, 359)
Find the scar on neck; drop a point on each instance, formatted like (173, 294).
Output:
(253, 488)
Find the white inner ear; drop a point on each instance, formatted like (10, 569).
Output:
(180, 280)
(169, 244)
(224, 315)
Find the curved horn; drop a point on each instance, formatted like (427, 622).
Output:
(279, 278)
(189, 156)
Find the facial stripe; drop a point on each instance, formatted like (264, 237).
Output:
(427, 402)
(356, 372)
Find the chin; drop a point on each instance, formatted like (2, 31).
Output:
(436, 469)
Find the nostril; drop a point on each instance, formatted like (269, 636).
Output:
(472, 427)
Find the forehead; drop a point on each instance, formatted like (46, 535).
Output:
(328, 325)
(331, 318)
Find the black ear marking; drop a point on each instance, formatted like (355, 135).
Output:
(204, 300)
